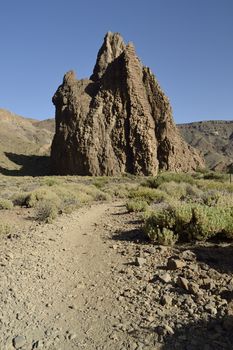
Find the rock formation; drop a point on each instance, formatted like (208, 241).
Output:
(118, 121)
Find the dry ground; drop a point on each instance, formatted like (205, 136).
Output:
(74, 284)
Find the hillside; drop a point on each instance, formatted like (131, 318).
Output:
(214, 139)
(24, 144)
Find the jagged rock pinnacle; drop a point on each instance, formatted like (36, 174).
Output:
(119, 121)
(112, 47)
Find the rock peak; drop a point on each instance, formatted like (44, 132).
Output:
(111, 48)
(69, 77)
(119, 121)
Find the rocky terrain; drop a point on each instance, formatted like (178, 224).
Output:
(24, 144)
(91, 280)
(214, 139)
(33, 140)
(118, 121)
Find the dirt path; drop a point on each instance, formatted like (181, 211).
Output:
(58, 291)
(78, 284)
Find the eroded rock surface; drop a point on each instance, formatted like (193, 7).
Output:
(118, 121)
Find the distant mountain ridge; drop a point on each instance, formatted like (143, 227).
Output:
(214, 139)
(25, 143)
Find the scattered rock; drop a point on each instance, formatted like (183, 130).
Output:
(166, 277)
(139, 261)
(173, 264)
(166, 300)
(194, 288)
(19, 341)
(188, 255)
(183, 283)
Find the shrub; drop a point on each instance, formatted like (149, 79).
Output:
(189, 221)
(68, 205)
(211, 197)
(5, 228)
(212, 175)
(50, 181)
(100, 182)
(207, 222)
(5, 204)
(42, 194)
(136, 206)
(147, 194)
(45, 211)
(176, 190)
(20, 199)
(159, 235)
(155, 182)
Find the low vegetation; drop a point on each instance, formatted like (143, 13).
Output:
(173, 207)
(195, 209)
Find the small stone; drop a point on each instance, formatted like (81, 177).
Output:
(211, 309)
(174, 264)
(19, 341)
(183, 283)
(188, 255)
(72, 336)
(194, 288)
(166, 300)
(168, 329)
(139, 261)
(114, 246)
(166, 277)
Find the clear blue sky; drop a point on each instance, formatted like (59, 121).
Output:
(188, 44)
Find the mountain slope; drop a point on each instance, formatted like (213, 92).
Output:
(24, 144)
(214, 139)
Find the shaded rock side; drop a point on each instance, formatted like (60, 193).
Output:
(118, 121)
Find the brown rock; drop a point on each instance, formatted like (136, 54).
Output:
(174, 264)
(183, 283)
(118, 121)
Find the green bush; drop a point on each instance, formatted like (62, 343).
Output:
(5, 204)
(136, 206)
(42, 194)
(189, 221)
(100, 182)
(211, 197)
(155, 182)
(45, 211)
(147, 194)
(207, 222)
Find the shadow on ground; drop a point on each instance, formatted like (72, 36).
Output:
(214, 334)
(217, 257)
(135, 235)
(31, 165)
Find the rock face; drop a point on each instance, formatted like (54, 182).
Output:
(118, 121)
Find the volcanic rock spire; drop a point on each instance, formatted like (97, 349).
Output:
(118, 121)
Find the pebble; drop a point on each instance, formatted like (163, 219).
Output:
(19, 341)
(166, 300)
(139, 261)
(183, 283)
(173, 264)
(166, 277)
